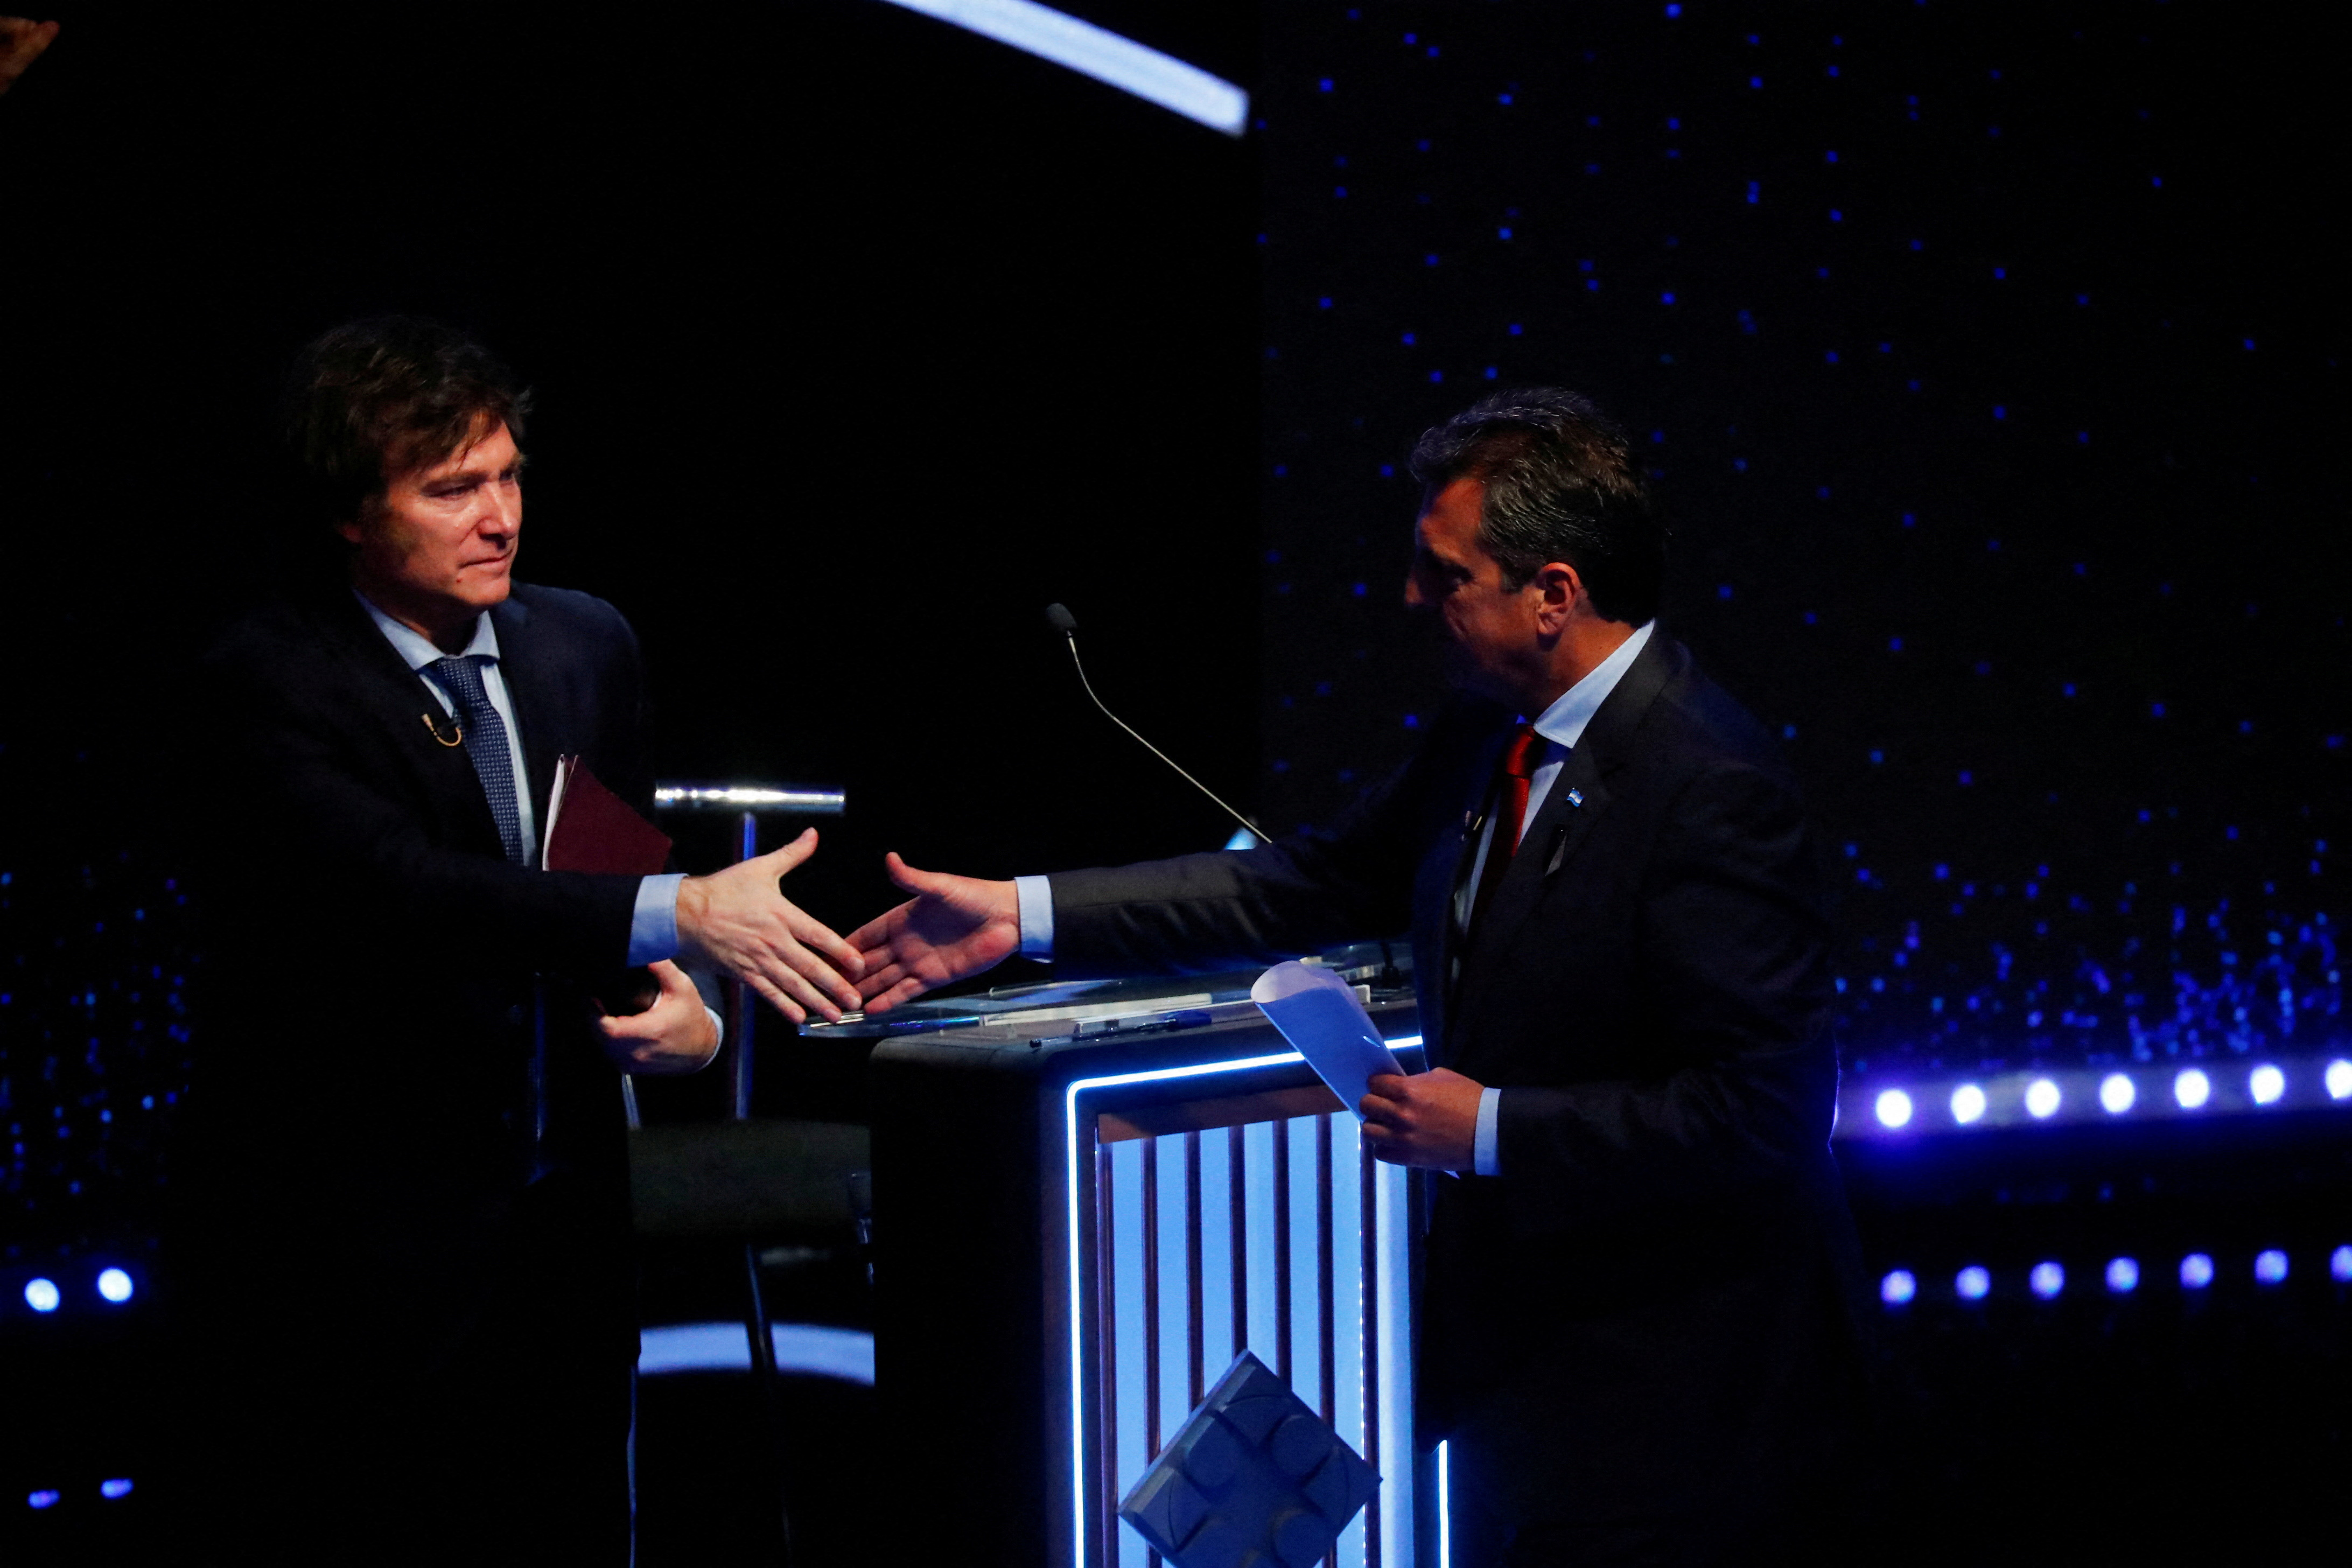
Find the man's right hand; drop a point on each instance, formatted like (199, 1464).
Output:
(739, 919)
(952, 927)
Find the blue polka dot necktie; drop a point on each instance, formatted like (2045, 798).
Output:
(486, 744)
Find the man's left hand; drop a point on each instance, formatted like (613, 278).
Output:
(673, 1036)
(1430, 1119)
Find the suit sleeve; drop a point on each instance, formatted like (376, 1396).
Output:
(1199, 913)
(344, 854)
(1734, 993)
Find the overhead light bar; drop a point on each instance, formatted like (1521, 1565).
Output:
(1089, 50)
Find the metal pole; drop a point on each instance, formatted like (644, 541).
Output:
(740, 1025)
(755, 1325)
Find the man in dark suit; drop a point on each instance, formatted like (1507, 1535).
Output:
(403, 1259)
(1638, 1328)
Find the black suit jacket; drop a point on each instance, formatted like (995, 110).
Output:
(365, 1030)
(1667, 1249)
(401, 1305)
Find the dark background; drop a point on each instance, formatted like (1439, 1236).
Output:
(2002, 451)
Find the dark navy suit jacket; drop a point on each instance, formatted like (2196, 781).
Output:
(367, 1207)
(1667, 1250)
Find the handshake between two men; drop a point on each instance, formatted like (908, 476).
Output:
(953, 928)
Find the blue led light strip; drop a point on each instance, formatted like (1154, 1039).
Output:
(1078, 1490)
(1876, 1108)
(1089, 50)
(1444, 1513)
(1078, 1484)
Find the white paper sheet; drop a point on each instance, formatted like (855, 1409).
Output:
(1317, 1013)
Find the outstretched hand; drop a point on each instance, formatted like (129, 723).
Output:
(675, 1035)
(952, 927)
(739, 919)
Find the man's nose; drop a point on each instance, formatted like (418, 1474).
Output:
(501, 509)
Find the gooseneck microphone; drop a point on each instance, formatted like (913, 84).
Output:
(1068, 625)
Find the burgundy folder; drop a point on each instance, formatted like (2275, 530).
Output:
(590, 828)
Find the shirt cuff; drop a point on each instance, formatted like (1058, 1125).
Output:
(653, 928)
(717, 1022)
(1036, 895)
(1485, 1157)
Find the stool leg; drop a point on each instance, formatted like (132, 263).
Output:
(764, 1381)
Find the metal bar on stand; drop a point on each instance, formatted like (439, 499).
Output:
(1237, 1222)
(1326, 1334)
(1151, 1299)
(1283, 1332)
(743, 998)
(1195, 1374)
(1105, 1251)
(1367, 1259)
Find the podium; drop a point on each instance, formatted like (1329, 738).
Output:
(1087, 1199)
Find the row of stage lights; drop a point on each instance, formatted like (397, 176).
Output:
(2048, 1279)
(2192, 1089)
(49, 1497)
(43, 1295)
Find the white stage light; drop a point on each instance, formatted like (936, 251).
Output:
(2123, 1276)
(114, 1285)
(815, 1350)
(2270, 1267)
(1105, 56)
(1973, 1283)
(2338, 1080)
(1444, 1509)
(1899, 1288)
(2117, 1093)
(2042, 1098)
(2047, 1279)
(2339, 1265)
(2266, 1083)
(2192, 1088)
(1968, 1103)
(41, 1295)
(1893, 1108)
(2195, 1271)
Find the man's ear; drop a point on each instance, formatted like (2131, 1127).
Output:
(1562, 591)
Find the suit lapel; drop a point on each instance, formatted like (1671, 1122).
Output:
(403, 709)
(1477, 800)
(535, 689)
(1580, 797)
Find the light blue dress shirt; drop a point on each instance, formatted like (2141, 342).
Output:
(1561, 725)
(653, 924)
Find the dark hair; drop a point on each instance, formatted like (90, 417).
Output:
(370, 400)
(1561, 485)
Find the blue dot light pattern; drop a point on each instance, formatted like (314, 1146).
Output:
(1950, 472)
(2045, 1280)
(96, 954)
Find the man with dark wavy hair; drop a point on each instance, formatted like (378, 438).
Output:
(1639, 1329)
(405, 1253)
